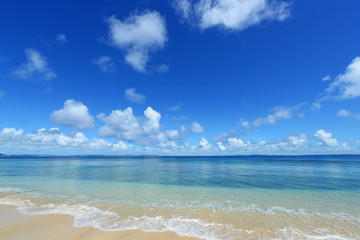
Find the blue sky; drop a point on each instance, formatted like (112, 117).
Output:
(180, 77)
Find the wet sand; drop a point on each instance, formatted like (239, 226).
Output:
(16, 226)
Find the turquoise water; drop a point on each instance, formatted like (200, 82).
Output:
(256, 197)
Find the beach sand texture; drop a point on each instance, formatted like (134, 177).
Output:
(16, 226)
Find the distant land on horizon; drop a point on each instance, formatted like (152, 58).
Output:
(171, 156)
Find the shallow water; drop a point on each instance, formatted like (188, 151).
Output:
(257, 197)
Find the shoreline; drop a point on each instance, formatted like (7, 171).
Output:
(15, 225)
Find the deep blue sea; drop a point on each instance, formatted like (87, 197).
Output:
(247, 197)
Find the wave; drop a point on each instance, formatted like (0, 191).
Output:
(85, 214)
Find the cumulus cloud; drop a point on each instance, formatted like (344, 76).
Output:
(152, 121)
(231, 14)
(105, 63)
(346, 113)
(326, 138)
(36, 66)
(196, 127)
(346, 85)
(8, 133)
(54, 139)
(61, 38)
(204, 144)
(146, 131)
(237, 143)
(120, 124)
(2, 94)
(74, 115)
(298, 140)
(137, 36)
(292, 144)
(221, 146)
(133, 96)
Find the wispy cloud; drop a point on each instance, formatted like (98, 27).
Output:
(176, 107)
(105, 63)
(61, 38)
(36, 66)
(346, 85)
(133, 96)
(276, 114)
(346, 113)
(163, 68)
(326, 78)
(231, 14)
(137, 36)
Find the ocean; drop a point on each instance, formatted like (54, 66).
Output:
(242, 197)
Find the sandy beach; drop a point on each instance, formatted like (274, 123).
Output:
(16, 226)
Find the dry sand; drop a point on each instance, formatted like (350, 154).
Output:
(16, 226)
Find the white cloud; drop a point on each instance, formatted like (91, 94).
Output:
(105, 63)
(152, 122)
(2, 94)
(120, 145)
(35, 67)
(204, 144)
(8, 133)
(221, 146)
(343, 113)
(184, 8)
(176, 107)
(298, 140)
(346, 113)
(231, 14)
(120, 124)
(54, 139)
(326, 138)
(326, 78)
(292, 144)
(144, 131)
(315, 106)
(244, 123)
(277, 113)
(133, 96)
(346, 85)
(74, 115)
(61, 38)
(237, 143)
(137, 36)
(196, 127)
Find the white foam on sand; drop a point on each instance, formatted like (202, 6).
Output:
(87, 215)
